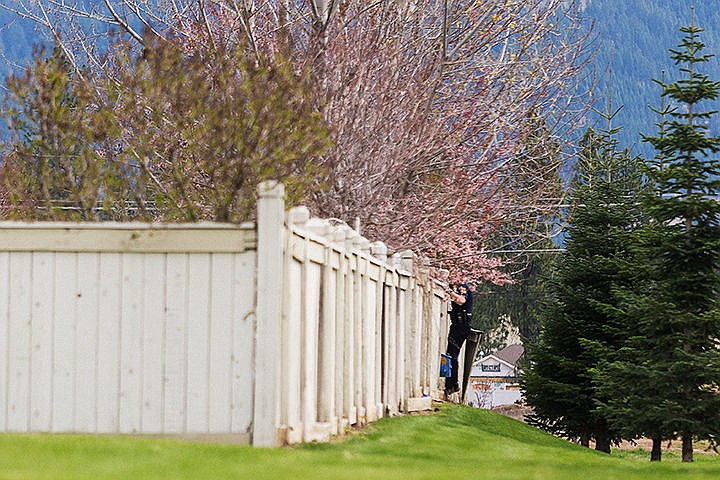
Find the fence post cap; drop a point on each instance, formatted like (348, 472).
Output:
(319, 226)
(379, 250)
(350, 233)
(298, 215)
(337, 234)
(378, 247)
(362, 243)
(406, 260)
(271, 189)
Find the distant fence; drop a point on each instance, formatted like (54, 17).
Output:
(277, 332)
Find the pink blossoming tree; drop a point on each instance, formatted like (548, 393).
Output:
(427, 102)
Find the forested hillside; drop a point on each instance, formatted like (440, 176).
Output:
(636, 36)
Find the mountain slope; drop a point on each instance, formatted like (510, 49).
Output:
(17, 37)
(636, 36)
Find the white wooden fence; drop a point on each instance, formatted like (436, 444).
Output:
(284, 331)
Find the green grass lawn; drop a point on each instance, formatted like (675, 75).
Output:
(454, 443)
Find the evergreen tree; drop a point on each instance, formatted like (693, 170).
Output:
(634, 383)
(624, 379)
(666, 376)
(578, 330)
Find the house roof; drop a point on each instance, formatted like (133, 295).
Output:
(510, 354)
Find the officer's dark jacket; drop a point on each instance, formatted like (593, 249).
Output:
(462, 313)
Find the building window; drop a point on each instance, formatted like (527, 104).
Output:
(495, 367)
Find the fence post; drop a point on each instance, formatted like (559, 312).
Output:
(270, 234)
(337, 238)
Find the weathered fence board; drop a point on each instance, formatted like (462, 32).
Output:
(153, 332)
(41, 333)
(108, 378)
(243, 343)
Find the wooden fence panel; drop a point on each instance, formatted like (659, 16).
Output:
(18, 328)
(369, 330)
(198, 329)
(64, 343)
(292, 352)
(4, 340)
(125, 341)
(349, 405)
(311, 343)
(220, 342)
(339, 366)
(132, 306)
(198, 340)
(327, 344)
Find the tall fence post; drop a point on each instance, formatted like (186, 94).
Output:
(270, 233)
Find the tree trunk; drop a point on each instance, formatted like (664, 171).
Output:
(585, 440)
(687, 447)
(602, 442)
(656, 453)
(283, 26)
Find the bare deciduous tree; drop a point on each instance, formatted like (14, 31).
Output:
(428, 101)
(171, 135)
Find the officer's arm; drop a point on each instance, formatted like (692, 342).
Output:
(457, 298)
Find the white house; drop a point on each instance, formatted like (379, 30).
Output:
(494, 378)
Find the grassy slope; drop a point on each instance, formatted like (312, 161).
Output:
(457, 442)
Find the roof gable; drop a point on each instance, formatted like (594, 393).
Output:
(510, 354)
(494, 359)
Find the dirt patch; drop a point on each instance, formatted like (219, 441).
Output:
(515, 410)
(667, 446)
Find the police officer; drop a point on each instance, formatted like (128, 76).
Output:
(461, 300)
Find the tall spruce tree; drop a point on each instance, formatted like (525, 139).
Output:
(633, 381)
(578, 332)
(666, 378)
(622, 379)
